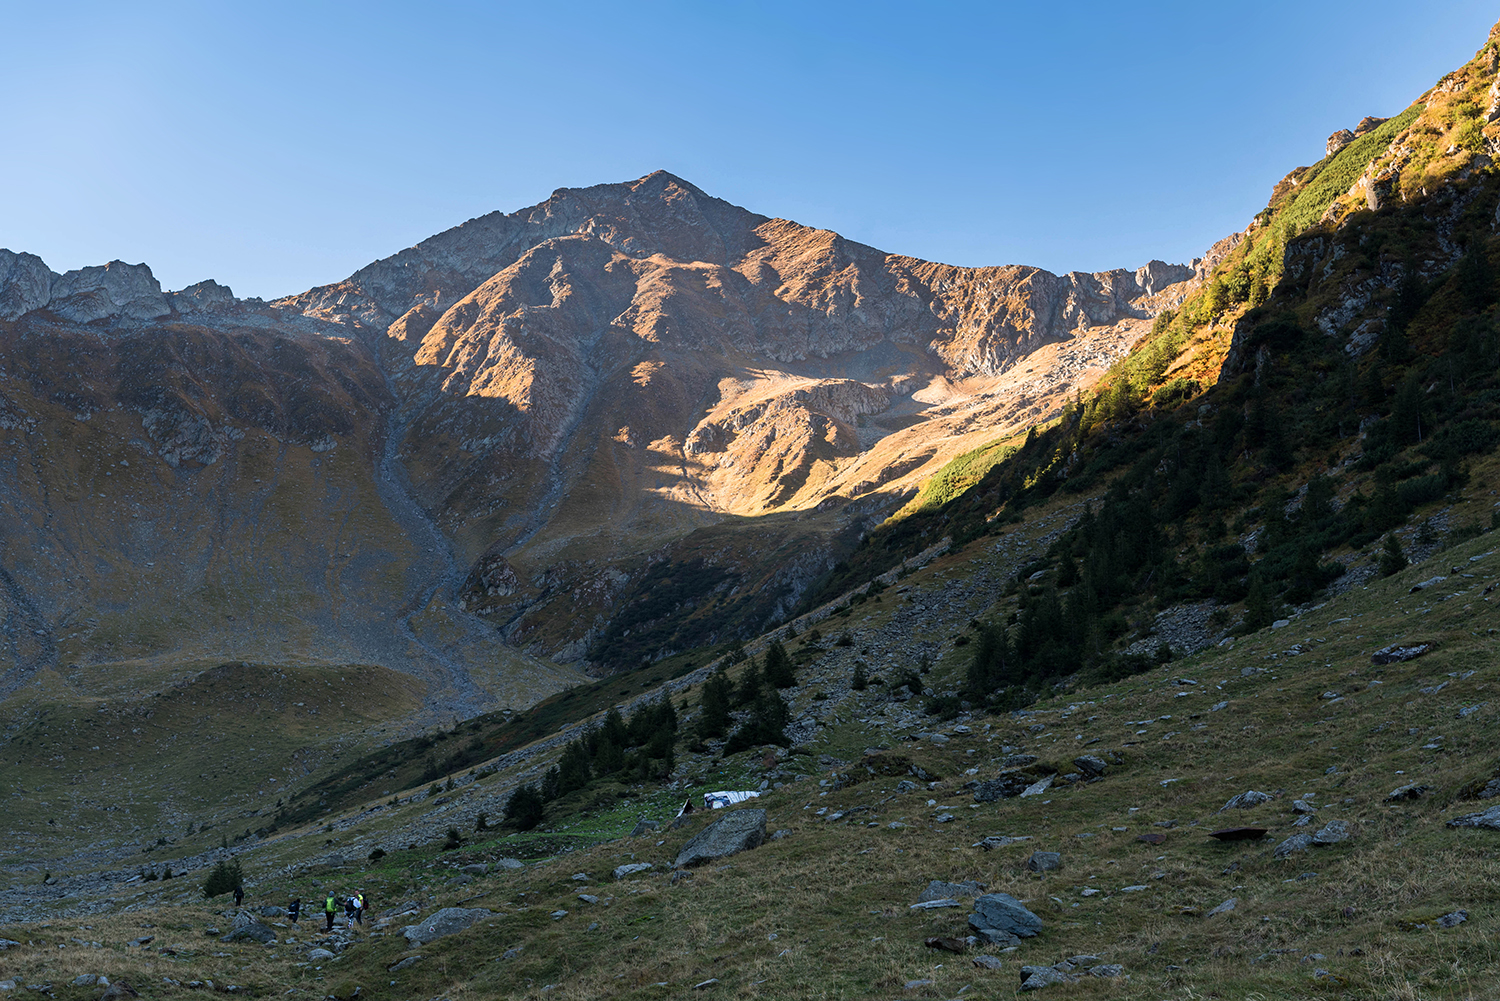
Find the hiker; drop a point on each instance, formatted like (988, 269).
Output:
(294, 909)
(359, 907)
(239, 895)
(330, 907)
(349, 913)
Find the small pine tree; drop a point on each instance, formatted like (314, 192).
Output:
(1392, 559)
(454, 840)
(779, 673)
(1260, 605)
(718, 694)
(860, 681)
(523, 810)
(223, 878)
(482, 822)
(750, 684)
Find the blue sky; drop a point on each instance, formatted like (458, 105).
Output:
(276, 146)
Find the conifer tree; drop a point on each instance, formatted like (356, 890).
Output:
(713, 715)
(779, 673)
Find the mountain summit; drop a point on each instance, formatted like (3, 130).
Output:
(632, 418)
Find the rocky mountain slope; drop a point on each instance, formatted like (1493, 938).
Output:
(634, 408)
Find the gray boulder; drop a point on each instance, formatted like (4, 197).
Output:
(987, 962)
(1002, 912)
(1225, 907)
(1489, 819)
(1245, 800)
(1034, 978)
(741, 831)
(1044, 861)
(1332, 834)
(246, 928)
(272, 911)
(1453, 920)
(1090, 766)
(509, 863)
(1107, 970)
(1411, 790)
(621, 871)
(1299, 842)
(644, 826)
(321, 955)
(409, 961)
(939, 890)
(444, 922)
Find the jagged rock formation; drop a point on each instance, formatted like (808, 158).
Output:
(631, 403)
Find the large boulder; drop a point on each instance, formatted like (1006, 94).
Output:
(247, 928)
(444, 922)
(1002, 912)
(741, 831)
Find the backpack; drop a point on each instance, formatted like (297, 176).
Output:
(330, 905)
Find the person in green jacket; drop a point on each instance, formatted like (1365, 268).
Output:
(330, 907)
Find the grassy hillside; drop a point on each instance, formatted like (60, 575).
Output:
(1298, 712)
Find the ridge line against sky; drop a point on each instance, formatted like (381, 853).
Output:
(279, 146)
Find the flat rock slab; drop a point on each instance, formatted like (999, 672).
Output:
(1238, 833)
(621, 871)
(741, 831)
(1152, 839)
(1489, 820)
(1397, 652)
(940, 890)
(1044, 861)
(1296, 843)
(444, 922)
(1246, 799)
(1002, 912)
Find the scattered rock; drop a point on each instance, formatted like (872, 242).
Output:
(90, 980)
(1245, 800)
(1152, 839)
(1225, 907)
(118, 989)
(1489, 819)
(630, 869)
(1396, 653)
(272, 911)
(1299, 842)
(704, 985)
(1452, 920)
(1303, 806)
(1107, 970)
(558, 915)
(444, 922)
(947, 944)
(321, 955)
(940, 890)
(1238, 833)
(1019, 761)
(935, 905)
(1002, 912)
(987, 962)
(477, 868)
(741, 831)
(1038, 787)
(1134, 889)
(509, 863)
(1044, 861)
(407, 962)
(644, 826)
(1332, 834)
(1036, 977)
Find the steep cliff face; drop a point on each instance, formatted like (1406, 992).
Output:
(579, 399)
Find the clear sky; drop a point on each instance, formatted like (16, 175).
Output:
(276, 146)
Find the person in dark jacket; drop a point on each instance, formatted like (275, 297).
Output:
(294, 909)
(239, 895)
